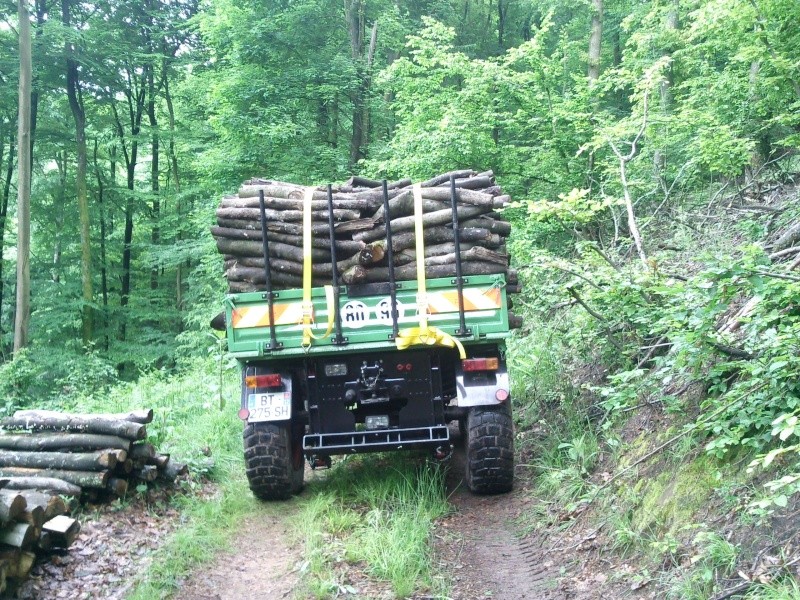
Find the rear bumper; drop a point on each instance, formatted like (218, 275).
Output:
(376, 441)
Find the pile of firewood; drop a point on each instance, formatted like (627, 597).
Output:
(92, 456)
(30, 522)
(360, 234)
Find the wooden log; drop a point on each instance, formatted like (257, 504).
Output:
(44, 484)
(160, 461)
(45, 542)
(317, 229)
(277, 189)
(83, 461)
(476, 253)
(343, 247)
(124, 467)
(118, 486)
(142, 451)
(276, 250)
(432, 219)
(63, 530)
(441, 235)
(19, 562)
(409, 272)
(52, 505)
(471, 183)
(501, 228)
(440, 179)
(33, 515)
(12, 505)
(83, 479)
(142, 416)
(280, 204)
(372, 253)
(174, 470)
(290, 216)
(84, 424)
(19, 535)
(57, 441)
(146, 473)
(279, 278)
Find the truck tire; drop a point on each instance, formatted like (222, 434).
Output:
(490, 450)
(273, 460)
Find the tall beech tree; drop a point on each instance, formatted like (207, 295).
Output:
(23, 307)
(75, 96)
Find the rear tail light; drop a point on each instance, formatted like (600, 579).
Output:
(480, 364)
(263, 381)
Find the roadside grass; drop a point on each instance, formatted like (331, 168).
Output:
(374, 513)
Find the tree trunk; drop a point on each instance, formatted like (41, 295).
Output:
(63, 530)
(6, 193)
(22, 318)
(595, 39)
(103, 266)
(12, 505)
(19, 535)
(155, 234)
(142, 416)
(78, 114)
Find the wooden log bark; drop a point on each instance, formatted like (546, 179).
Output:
(63, 530)
(360, 205)
(343, 247)
(476, 253)
(439, 217)
(83, 479)
(441, 235)
(19, 535)
(279, 278)
(291, 216)
(277, 189)
(318, 229)
(87, 424)
(142, 416)
(276, 250)
(371, 253)
(83, 461)
(12, 505)
(44, 484)
(471, 183)
(499, 227)
(440, 179)
(142, 451)
(409, 272)
(56, 441)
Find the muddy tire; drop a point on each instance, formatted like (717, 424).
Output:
(490, 450)
(274, 464)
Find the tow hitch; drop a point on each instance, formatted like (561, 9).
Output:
(319, 462)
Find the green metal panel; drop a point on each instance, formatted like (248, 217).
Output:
(366, 322)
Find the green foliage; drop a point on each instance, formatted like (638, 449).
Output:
(376, 511)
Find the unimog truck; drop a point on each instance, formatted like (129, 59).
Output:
(372, 367)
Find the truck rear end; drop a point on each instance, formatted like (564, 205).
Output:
(366, 367)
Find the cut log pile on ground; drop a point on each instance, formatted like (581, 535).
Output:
(48, 456)
(360, 237)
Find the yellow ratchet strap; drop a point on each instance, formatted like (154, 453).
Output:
(308, 305)
(424, 334)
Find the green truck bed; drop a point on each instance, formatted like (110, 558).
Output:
(365, 316)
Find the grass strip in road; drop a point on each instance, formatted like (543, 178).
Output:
(373, 514)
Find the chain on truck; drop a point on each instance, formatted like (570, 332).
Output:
(342, 369)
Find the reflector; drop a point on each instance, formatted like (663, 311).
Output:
(263, 381)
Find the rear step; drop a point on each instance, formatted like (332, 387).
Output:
(374, 441)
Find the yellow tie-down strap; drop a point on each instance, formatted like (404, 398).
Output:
(308, 305)
(424, 334)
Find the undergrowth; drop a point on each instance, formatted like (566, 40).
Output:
(375, 514)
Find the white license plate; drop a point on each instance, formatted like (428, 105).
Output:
(270, 407)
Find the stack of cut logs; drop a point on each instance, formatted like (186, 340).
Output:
(45, 455)
(360, 235)
(88, 455)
